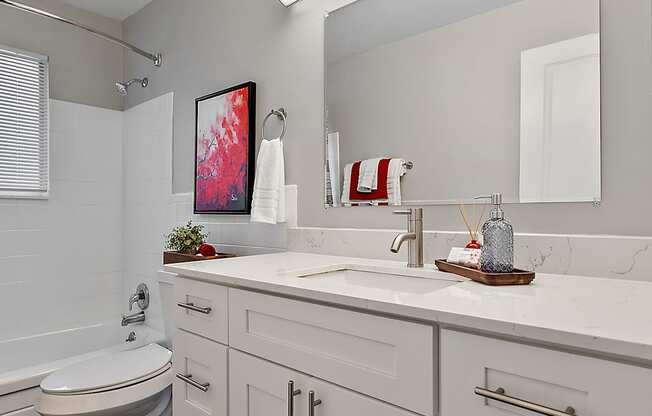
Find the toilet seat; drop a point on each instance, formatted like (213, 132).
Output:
(131, 377)
(109, 372)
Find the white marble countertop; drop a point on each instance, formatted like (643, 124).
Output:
(610, 317)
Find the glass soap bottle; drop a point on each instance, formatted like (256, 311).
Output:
(497, 254)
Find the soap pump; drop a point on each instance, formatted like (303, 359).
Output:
(498, 246)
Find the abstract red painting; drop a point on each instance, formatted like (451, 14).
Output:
(224, 150)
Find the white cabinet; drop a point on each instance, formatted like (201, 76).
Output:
(200, 385)
(556, 380)
(385, 358)
(260, 388)
(21, 403)
(202, 308)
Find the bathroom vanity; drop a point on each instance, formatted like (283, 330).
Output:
(304, 334)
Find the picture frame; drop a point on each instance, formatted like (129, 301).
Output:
(225, 141)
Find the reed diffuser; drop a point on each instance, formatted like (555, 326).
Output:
(473, 231)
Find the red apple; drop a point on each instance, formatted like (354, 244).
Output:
(206, 250)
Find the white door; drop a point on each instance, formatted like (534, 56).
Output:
(200, 382)
(260, 388)
(560, 121)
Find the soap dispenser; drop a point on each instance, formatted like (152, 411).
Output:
(497, 254)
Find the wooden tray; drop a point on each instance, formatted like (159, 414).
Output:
(517, 277)
(172, 257)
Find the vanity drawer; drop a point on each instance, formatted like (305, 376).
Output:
(557, 380)
(385, 358)
(202, 308)
(260, 388)
(200, 382)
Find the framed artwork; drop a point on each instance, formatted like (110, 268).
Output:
(224, 150)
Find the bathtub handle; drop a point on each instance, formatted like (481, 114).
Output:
(192, 307)
(188, 380)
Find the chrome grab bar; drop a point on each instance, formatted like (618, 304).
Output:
(191, 306)
(187, 378)
(291, 393)
(500, 396)
(312, 403)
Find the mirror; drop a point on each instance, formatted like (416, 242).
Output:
(436, 101)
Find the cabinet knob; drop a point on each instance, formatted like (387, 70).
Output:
(191, 306)
(187, 378)
(500, 396)
(291, 393)
(312, 403)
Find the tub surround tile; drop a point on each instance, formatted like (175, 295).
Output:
(66, 246)
(617, 257)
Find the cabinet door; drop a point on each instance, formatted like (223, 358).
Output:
(202, 365)
(554, 379)
(260, 388)
(202, 308)
(381, 357)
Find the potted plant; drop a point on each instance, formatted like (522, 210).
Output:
(186, 239)
(186, 243)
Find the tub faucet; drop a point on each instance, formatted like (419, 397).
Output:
(134, 318)
(141, 297)
(414, 237)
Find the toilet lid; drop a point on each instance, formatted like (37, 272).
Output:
(113, 370)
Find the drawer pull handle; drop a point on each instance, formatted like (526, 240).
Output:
(188, 380)
(192, 307)
(500, 396)
(312, 403)
(291, 393)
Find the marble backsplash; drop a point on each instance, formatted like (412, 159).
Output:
(617, 257)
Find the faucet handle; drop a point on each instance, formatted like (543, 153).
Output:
(412, 213)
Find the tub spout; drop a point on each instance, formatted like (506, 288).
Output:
(133, 318)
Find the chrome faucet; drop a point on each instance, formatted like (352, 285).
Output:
(134, 318)
(414, 236)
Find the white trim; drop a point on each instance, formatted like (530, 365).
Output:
(25, 194)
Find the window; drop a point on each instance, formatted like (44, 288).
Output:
(23, 124)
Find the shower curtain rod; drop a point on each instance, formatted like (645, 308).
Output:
(156, 58)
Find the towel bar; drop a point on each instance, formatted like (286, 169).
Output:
(282, 115)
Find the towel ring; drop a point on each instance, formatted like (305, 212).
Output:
(282, 115)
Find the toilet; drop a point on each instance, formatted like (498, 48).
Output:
(136, 382)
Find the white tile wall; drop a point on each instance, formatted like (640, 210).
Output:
(61, 256)
(147, 154)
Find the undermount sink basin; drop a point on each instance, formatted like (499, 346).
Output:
(403, 280)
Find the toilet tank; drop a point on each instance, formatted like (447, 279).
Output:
(166, 292)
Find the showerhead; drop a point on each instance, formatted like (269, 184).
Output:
(122, 87)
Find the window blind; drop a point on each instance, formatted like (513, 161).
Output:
(24, 119)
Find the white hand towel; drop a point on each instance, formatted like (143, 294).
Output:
(368, 179)
(268, 205)
(395, 172)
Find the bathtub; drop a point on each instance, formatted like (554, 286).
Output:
(24, 362)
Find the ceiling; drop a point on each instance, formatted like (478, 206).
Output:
(366, 24)
(115, 9)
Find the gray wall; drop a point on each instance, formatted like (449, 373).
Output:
(212, 44)
(448, 99)
(83, 68)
